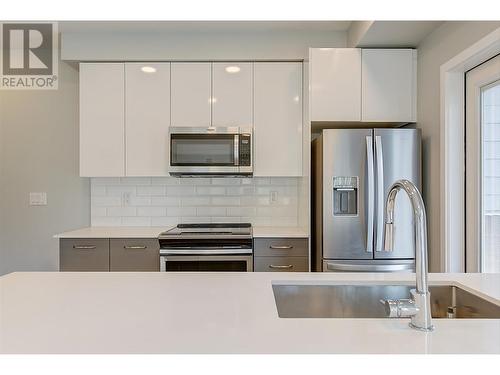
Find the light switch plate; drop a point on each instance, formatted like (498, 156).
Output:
(38, 199)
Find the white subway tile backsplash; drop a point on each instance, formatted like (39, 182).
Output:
(136, 221)
(151, 211)
(210, 190)
(151, 191)
(181, 211)
(226, 181)
(164, 221)
(105, 201)
(135, 181)
(106, 181)
(194, 181)
(165, 181)
(99, 221)
(240, 190)
(99, 211)
(121, 211)
(180, 190)
(210, 211)
(98, 191)
(227, 201)
(119, 190)
(141, 201)
(241, 211)
(167, 201)
(195, 201)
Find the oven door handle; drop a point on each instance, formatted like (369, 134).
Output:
(205, 251)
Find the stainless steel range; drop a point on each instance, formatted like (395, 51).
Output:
(225, 247)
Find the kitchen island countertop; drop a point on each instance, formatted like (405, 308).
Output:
(50, 312)
(153, 232)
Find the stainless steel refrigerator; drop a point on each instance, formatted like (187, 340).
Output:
(353, 170)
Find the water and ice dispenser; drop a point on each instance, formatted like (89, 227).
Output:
(345, 196)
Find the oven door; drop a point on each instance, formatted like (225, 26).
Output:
(206, 263)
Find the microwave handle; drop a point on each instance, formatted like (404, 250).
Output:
(237, 149)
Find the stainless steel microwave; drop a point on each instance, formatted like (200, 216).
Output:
(210, 152)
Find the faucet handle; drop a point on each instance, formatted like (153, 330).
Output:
(399, 308)
(389, 237)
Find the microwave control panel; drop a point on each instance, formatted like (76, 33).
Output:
(245, 150)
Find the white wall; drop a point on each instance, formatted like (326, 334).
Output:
(39, 152)
(290, 45)
(437, 48)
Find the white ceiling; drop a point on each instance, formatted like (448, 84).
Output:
(201, 26)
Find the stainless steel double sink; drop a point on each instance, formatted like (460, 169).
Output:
(363, 301)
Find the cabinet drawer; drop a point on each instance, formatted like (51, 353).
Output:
(84, 254)
(134, 254)
(281, 264)
(280, 247)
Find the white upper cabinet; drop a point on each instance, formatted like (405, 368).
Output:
(191, 94)
(102, 132)
(335, 79)
(232, 94)
(363, 85)
(389, 85)
(278, 119)
(147, 103)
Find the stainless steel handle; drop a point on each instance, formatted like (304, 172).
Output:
(342, 267)
(371, 195)
(135, 247)
(288, 266)
(380, 193)
(205, 251)
(281, 247)
(84, 247)
(236, 149)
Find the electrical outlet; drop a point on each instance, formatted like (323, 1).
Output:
(38, 199)
(126, 198)
(273, 197)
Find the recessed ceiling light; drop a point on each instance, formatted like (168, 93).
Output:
(232, 69)
(325, 49)
(148, 69)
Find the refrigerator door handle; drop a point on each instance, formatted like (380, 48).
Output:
(380, 193)
(371, 195)
(343, 267)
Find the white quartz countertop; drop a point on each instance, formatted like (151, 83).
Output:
(215, 313)
(114, 232)
(152, 232)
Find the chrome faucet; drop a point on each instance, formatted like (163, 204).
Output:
(419, 306)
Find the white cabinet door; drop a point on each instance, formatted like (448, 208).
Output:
(102, 96)
(335, 84)
(191, 94)
(232, 94)
(388, 85)
(278, 119)
(147, 108)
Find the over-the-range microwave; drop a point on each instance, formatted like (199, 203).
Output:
(210, 152)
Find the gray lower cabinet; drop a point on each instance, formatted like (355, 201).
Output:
(281, 255)
(90, 254)
(281, 264)
(134, 254)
